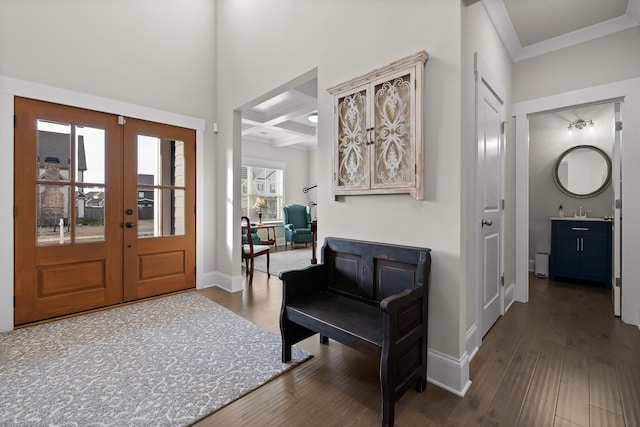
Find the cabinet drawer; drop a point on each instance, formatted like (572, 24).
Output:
(594, 228)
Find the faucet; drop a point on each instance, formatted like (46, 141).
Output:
(580, 213)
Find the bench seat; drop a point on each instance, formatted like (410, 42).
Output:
(334, 315)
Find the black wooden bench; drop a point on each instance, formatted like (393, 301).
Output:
(370, 296)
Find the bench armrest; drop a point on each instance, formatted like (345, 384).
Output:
(393, 303)
(298, 284)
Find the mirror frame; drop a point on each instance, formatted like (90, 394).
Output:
(599, 190)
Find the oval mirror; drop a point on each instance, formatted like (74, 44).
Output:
(583, 171)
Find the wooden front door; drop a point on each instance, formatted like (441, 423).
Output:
(74, 187)
(159, 209)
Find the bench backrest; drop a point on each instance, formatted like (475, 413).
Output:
(373, 271)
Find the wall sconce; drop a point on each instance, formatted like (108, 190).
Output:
(259, 205)
(580, 124)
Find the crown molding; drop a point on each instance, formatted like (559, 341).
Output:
(499, 16)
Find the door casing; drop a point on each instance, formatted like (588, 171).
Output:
(99, 263)
(629, 92)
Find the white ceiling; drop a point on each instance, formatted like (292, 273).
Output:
(282, 121)
(533, 27)
(527, 28)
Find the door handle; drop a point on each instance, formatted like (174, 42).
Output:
(487, 222)
(130, 224)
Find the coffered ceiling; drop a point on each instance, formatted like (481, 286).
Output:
(527, 28)
(283, 121)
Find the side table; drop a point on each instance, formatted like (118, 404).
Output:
(271, 239)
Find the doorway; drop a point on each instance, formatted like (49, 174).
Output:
(104, 209)
(626, 91)
(577, 189)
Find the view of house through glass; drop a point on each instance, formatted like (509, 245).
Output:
(70, 183)
(161, 181)
(266, 183)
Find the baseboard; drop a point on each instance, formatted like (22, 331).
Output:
(224, 281)
(448, 373)
(472, 341)
(509, 296)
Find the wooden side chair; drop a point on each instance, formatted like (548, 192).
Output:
(249, 250)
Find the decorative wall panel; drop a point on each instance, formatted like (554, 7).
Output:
(378, 130)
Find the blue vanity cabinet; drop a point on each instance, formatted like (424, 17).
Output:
(581, 250)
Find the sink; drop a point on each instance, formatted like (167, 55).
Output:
(574, 218)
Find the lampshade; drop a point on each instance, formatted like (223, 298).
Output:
(260, 203)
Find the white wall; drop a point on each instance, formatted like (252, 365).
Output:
(593, 71)
(596, 62)
(149, 54)
(264, 44)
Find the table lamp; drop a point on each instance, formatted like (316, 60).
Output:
(259, 205)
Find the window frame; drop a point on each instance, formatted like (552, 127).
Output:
(246, 196)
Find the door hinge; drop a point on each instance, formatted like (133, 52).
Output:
(15, 120)
(618, 126)
(14, 301)
(121, 120)
(618, 203)
(502, 279)
(618, 282)
(195, 209)
(14, 211)
(502, 204)
(195, 270)
(503, 127)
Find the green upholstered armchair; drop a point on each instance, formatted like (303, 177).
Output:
(297, 227)
(254, 237)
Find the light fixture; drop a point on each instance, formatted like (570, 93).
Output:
(259, 205)
(580, 124)
(313, 117)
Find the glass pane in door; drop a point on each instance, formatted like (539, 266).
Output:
(53, 151)
(161, 212)
(160, 161)
(53, 207)
(90, 214)
(90, 155)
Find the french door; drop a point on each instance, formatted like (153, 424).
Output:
(104, 209)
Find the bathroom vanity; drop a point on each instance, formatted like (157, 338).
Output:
(581, 250)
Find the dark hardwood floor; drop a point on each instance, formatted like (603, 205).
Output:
(561, 360)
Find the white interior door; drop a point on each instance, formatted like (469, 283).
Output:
(616, 181)
(490, 137)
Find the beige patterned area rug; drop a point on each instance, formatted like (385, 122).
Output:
(165, 362)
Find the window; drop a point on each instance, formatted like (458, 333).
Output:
(265, 180)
